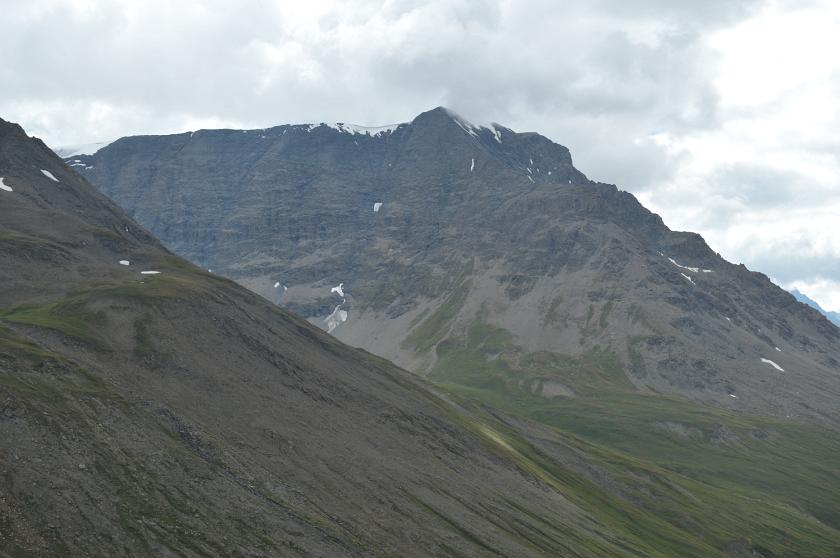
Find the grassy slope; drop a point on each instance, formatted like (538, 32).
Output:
(730, 478)
(719, 477)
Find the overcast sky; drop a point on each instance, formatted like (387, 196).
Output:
(722, 115)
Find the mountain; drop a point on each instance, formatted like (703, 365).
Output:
(438, 243)
(148, 407)
(834, 317)
(686, 405)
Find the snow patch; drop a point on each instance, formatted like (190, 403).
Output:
(733, 395)
(335, 319)
(4, 187)
(338, 290)
(83, 149)
(50, 175)
(497, 134)
(692, 269)
(472, 164)
(376, 207)
(690, 280)
(125, 262)
(531, 179)
(773, 364)
(354, 129)
(150, 273)
(778, 349)
(277, 284)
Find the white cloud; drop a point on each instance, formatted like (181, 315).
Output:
(720, 115)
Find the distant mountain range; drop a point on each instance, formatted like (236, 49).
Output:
(833, 316)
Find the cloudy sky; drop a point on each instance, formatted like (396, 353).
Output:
(722, 116)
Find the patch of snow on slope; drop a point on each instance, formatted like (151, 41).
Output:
(733, 395)
(778, 349)
(773, 364)
(49, 175)
(692, 269)
(361, 130)
(84, 149)
(472, 164)
(531, 179)
(125, 262)
(376, 207)
(5, 187)
(335, 319)
(339, 290)
(277, 284)
(497, 135)
(150, 273)
(690, 280)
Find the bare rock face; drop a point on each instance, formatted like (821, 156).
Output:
(437, 225)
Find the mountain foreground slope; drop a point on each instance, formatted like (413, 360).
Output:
(698, 400)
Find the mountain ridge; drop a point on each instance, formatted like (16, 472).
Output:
(506, 213)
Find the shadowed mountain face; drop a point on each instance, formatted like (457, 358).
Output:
(452, 243)
(180, 414)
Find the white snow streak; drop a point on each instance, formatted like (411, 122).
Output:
(150, 273)
(773, 364)
(125, 262)
(277, 284)
(335, 319)
(472, 164)
(376, 207)
(531, 179)
(4, 187)
(690, 280)
(86, 149)
(497, 135)
(339, 290)
(50, 175)
(694, 269)
(353, 129)
(733, 395)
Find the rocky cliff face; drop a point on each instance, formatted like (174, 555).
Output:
(434, 227)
